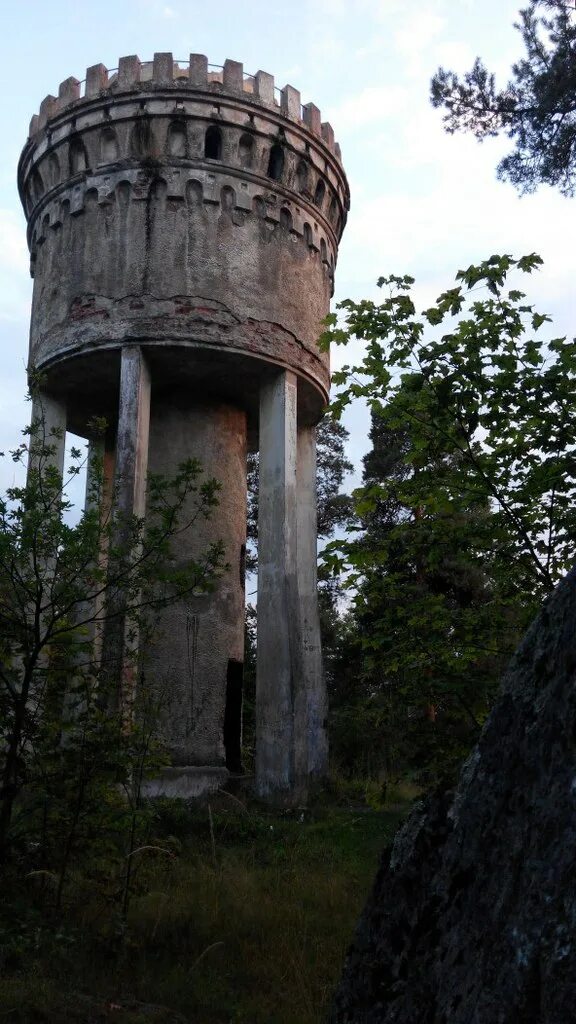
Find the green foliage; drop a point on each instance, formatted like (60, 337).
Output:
(333, 511)
(76, 604)
(331, 468)
(536, 108)
(467, 516)
(245, 920)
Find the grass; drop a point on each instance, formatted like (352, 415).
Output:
(239, 916)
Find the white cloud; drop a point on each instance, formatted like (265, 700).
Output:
(13, 251)
(418, 32)
(372, 104)
(454, 54)
(15, 293)
(383, 9)
(420, 141)
(461, 216)
(291, 73)
(328, 8)
(14, 318)
(325, 49)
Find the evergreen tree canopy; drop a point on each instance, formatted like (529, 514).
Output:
(537, 107)
(331, 468)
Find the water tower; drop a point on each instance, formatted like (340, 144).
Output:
(183, 225)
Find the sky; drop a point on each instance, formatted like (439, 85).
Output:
(422, 202)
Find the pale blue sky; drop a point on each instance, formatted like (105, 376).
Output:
(422, 202)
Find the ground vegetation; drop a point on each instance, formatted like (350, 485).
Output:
(235, 915)
(77, 736)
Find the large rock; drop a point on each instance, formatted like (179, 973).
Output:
(472, 919)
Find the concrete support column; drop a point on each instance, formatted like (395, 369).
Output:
(94, 470)
(278, 620)
(129, 500)
(312, 705)
(99, 494)
(195, 661)
(133, 431)
(48, 434)
(47, 444)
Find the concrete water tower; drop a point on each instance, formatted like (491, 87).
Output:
(183, 226)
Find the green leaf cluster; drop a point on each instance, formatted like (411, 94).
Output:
(467, 515)
(77, 603)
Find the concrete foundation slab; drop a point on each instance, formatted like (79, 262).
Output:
(188, 783)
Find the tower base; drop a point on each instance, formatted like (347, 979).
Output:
(186, 782)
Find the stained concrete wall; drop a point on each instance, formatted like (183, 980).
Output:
(178, 268)
(47, 440)
(311, 711)
(200, 634)
(278, 663)
(140, 232)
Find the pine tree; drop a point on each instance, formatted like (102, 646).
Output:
(536, 108)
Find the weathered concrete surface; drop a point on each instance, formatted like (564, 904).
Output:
(95, 461)
(133, 432)
(98, 497)
(121, 642)
(47, 439)
(139, 230)
(472, 919)
(199, 635)
(311, 708)
(278, 661)
(188, 783)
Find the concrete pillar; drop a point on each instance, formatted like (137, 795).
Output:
(121, 641)
(46, 450)
(47, 443)
(312, 705)
(198, 650)
(94, 475)
(48, 433)
(99, 493)
(133, 431)
(278, 620)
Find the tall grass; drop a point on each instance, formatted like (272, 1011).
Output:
(236, 917)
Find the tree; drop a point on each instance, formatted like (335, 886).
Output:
(333, 509)
(466, 519)
(59, 735)
(331, 468)
(537, 107)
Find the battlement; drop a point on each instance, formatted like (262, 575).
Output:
(163, 72)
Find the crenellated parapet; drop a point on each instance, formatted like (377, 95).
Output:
(185, 115)
(163, 72)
